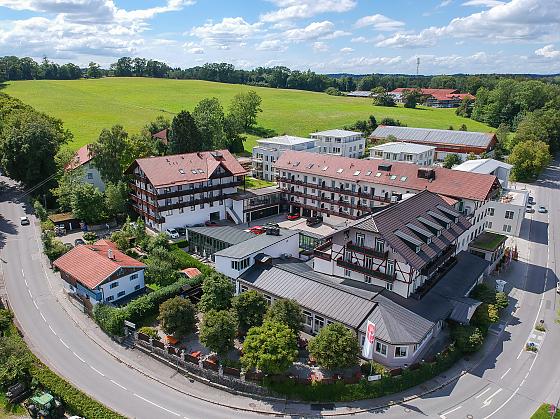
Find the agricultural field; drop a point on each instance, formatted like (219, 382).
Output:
(87, 106)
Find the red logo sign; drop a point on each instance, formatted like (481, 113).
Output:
(370, 332)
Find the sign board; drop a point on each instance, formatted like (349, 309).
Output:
(374, 377)
(129, 324)
(367, 349)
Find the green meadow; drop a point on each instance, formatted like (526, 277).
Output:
(87, 106)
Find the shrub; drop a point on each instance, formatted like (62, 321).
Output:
(5, 320)
(90, 237)
(333, 91)
(540, 327)
(468, 338)
(217, 292)
(110, 319)
(149, 331)
(484, 293)
(187, 261)
(217, 330)
(502, 300)
(40, 211)
(177, 316)
(250, 308)
(335, 346)
(485, 315)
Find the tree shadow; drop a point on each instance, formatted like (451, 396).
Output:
(261, 132)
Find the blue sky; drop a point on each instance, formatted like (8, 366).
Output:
(354, 36)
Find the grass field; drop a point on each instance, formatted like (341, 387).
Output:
(87, 106)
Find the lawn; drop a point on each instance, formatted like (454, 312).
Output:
(253, 183)
(544, 413)
(86, 106)
(488, 241)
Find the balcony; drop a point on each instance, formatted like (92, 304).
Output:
(142, 212)
(365, 270)
(367, 251)
(432, 267)
(323, 251)
(200, 189)
(191, 202)
(339, 202)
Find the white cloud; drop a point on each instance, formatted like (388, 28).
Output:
(320, 46)
(271, 45)
(299, 9)
(519, 20)
(231, 30)
(310, 32)
(483, 3)
(193, 48)
(379, 22)
(346, 50)
(548, 51)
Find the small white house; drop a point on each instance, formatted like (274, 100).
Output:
(422, 155)
(84, 160)
(100, 272)
(340, 142)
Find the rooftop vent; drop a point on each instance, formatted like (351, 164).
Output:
(426, 173)
(181, 171)
(110, 254)
(385, 167)
(217, 154)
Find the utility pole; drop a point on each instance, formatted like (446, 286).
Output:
(417, 65)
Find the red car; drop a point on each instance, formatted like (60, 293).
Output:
(257, 230)
(293, 216)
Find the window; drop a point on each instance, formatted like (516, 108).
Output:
(243, 288)
(389, 286)
(390, 267)
(90, 175)
(120, 294)
(170, 212)
(136, 287)
(192, 208)
(379, 245)
(201, 206)
(308, 318)
(268, 299)
(239, 265)
(110, 298)
(367, 279)
(507, 228)
(133, 277)
(489, 224)
(393, 177)
(491, 212)
(114, 285)
(381, 348)
(509, 215)
(319, 323)
(181, 210)
(347, 273)
(360, 239)
(401, 351)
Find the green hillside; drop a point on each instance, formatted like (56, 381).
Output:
(87, 106)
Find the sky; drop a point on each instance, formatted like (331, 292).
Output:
(326, 36)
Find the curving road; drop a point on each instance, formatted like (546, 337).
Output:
(507, 383)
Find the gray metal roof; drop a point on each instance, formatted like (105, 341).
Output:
(402, 147)
(336, 133)
(285, 140)
(226, 234)
(255, 244)
(463, 309)
(435, 136)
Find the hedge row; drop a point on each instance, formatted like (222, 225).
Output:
(74, 400)
(111, 319)
(342, 392)
(188, 261)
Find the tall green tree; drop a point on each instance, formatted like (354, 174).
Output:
(451, 160)
(93, 70)
(177, 316)
(68, 177)
(287, 312)
(335, 346)
(217, 331)
(209, 117)
(270, 348)
(88, 203)
(110, 153)
(217, 292)
(184, 136)
(250, 308)
(245, 107)
(529, 159)
(116, 198)
(411, 98)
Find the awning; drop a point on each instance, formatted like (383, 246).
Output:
(463, 309)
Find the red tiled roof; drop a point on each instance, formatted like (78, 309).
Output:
(447, 182)
(178, 169)
(82, 157)
(90, 264)
(161, 135)
(191, 272)
(439, 94)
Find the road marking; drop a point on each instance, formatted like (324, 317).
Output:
(505, 373)
(533, 363)
(25, 281)
(520, 352)
(118, 385)
(79, 357)
(489, 398)
(97, 371)
(522, 382)
(157, 405)
(443, 415)
(29, 291)
(35, 304)
(64, 343)
(526, 375)
(22, 273)
(52, 330)
(43, 317)
(484, 392)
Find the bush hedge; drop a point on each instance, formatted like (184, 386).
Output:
(111, 319)
(188, 261)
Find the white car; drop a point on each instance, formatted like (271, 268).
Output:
(24, 221)
(171, 232)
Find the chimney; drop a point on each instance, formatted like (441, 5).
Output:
(110, 254)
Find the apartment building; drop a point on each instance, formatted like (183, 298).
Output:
(83, 160)
(446, 142)
(186, 189)
(268, 150)
(340, 142)
(422, 155)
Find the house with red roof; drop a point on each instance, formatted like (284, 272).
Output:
(100, 272)
(187, 189)
(435, 98)
(83, 160)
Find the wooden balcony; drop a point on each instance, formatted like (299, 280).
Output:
(353, 266)
(321, 251)
(367, 251)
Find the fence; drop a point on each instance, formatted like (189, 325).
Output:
(229, 377)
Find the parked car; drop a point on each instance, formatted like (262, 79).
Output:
(171, 232)
(77, 242)
(531, 200)
(271, 225)
(313, 221)
(293, 216)
(558, 287)
(211, 223)
(529, 209)
(182, 231)
(257, 230)
(542, 209)
(24, 221)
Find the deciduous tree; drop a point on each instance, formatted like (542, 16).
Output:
(217, 292)
(184, 136)
(287, 312)
(250, 308)
(110, 153)
(177, 316)
(529, 159)
(217, 330)
(335, 346)
(209, 117)
(451, 160)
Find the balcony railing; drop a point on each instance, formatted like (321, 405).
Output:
(339, 202)
(200, 189)
(322, 210)
(321, 251)
(191, 202)
(367, 250)
(365, 270)
(431, 267)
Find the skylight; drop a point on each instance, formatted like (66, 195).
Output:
(368, 173)
(393, 177)
(194, 172)
(339, 170)
(181, 171)
(310, 165)
(296, 164)
(403, 178)
(378, 174)
(356, 173)
(325, 168)
(200, 171)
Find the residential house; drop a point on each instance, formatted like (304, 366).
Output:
(339, 142)
(186, 189)
(83, 160)
(435, 98)
(100, 272)
(422, 155)
(446, 142)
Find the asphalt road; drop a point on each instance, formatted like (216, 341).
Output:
(508, 383)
